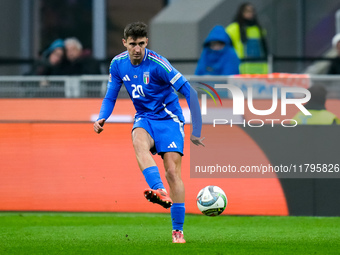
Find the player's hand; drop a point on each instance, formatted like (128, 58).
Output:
(197, 140)
(98, 126)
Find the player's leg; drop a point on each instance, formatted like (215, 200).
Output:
(142, 143)
(172, 165)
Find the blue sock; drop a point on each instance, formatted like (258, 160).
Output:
(177, 216)
(153, 178)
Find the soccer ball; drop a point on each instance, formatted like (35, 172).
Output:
(211, 200)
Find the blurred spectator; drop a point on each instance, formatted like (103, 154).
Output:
(316, 106)
(335, 64)
(218, 55)
(248, 38)
(79, 62)
(52, 60)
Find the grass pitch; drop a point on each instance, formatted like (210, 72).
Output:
(130, 233)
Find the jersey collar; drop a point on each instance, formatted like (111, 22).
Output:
(146, 54)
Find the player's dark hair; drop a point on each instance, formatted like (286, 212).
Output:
(135, 30)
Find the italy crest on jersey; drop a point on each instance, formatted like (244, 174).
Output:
(146, 77)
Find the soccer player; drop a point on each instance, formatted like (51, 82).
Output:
(158, 125)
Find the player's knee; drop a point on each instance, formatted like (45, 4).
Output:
(136, 143)
(139, 145)
(172, 175)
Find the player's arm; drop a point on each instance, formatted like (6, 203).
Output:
(194, 106)
(106, 109)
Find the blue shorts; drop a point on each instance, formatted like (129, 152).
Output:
(167, 134)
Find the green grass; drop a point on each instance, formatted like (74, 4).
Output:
(118, 233)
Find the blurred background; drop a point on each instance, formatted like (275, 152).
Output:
(298, 31)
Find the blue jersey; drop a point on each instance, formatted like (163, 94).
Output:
(150, 85)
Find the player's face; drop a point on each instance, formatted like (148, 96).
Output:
(136, 48)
